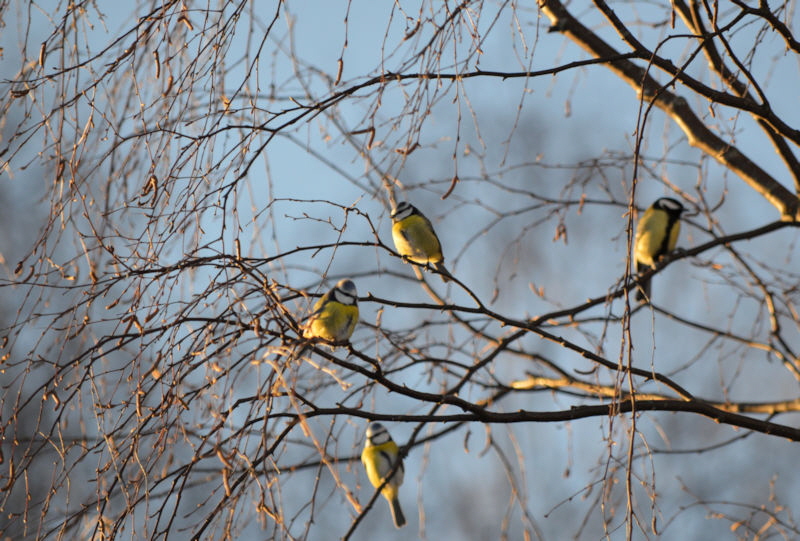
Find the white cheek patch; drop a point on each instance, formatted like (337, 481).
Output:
(343, 298)
(403, 214)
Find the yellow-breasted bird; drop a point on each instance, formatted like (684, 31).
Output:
(415, 238)
(379, 457)
(656, 236)
(335, 315)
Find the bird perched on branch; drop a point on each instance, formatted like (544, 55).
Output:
(656, 236)
(379, 457)
(415, 238)
(335, 315)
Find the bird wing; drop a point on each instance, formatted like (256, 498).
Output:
(433, 231)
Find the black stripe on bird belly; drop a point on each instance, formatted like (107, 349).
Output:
(663, 249)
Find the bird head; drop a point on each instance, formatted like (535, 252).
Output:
(345, 292)
(377, 434)
(403, 211)
(671, 206)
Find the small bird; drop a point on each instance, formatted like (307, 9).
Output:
(335, 315)
(656, 236)
(379, 457)
(415, 238)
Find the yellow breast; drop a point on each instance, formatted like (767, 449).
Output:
(335, 322)
(377, 466)
(650, 234)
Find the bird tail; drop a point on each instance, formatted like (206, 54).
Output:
(643, 291)
(443, 272)
(397, 513)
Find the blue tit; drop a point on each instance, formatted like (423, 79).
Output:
(379, 457)
(656, 236)
(335, 315)
(415, 238)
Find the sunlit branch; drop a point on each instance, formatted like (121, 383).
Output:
(697, 133)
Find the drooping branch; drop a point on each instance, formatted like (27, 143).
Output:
(693, 19)
(677, 108)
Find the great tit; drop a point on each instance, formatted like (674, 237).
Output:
(656, 236)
